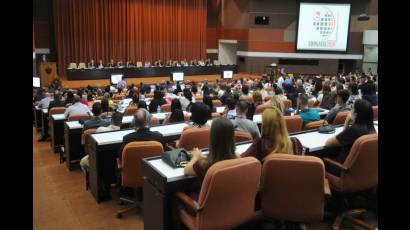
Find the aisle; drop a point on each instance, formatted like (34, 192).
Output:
(60, 200)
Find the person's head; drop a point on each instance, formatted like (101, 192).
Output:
(158, 94)
(228, 89)
(116, 119)
(187, 94)
(259, 86)
(275, 101)
(205, 90)
(221, 148)
(326, 87)
(299, 83)
(194, 89)
(230, 103)
(342, 96)
(362, 113)
(105, 106)
(176, 116)
(76, 99)
(245, 90)
(303, 100)
(142, 118)
(96, 109)
(274, 129)
(135, 99)
(207, 100)
(241, 108)
(142, 105)
(57, 96)
(200, 113)
(354, 89)
(89, 97)
(107, 96)
(257, 97)
(175, 104)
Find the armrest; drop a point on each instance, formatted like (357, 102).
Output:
(327, 188)
(188, 201)
(335, 164)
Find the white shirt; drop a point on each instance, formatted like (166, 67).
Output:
(44, 103)
(280, 81)
(77, 108)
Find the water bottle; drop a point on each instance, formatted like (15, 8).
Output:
(158, 109)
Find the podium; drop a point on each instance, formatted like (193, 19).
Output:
(48, 71)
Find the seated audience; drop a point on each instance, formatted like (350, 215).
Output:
(96, 120)
(175, 105)
(242, 123)
(77, 107)
(274, 139)
(326, 100)
(230, 111)
(186, 100)
(341, 99)
(307, 114)
(157, 101)
(115, 124)
(199, 115)
(368, 90)
(57, 102)
(354, 94)
(142, 122)
(219, 149)
(100, 64)
(106, 110)
(359, 122)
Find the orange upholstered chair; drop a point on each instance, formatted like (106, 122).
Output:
(314, 124)
(55, 110)
(241, 136)
(340, 118)
(293, 188)
(131, 165)
(166, 108)
(216, 103)
(359, 172)
(194, 138)
(287, 103)
(293, 123)
(130, 110)
(77, 116)
(375, 111)
(219, 195)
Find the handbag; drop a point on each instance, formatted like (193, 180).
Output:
(326, 129)
(176, 158)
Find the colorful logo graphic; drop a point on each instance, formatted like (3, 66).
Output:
(324, 21)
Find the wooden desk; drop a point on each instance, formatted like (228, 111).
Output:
(104, 149)
(37, 117)
(73, 148)
(57, 131)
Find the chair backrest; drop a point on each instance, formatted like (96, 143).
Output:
(216, 103)
(86, 138)
(241, 136)
(72, 65)
(194, 138)
(132, 156)
(340, 118)
(216, 115)
(130, 110)
(375, 111)
(56, 110)
(311, 103)
(220, 194)
(77, 116)
(260, 108)
(363, 164)
(314, 124)
(154, 121)
(293, 123)
(139, 64)
(81, 65)
(287, 103)
(166, 108)
(292, 188)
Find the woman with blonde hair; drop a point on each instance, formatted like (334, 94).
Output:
(276, 102)
(257, 98)
(275, 137)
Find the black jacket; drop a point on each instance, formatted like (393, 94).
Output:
(143, 134)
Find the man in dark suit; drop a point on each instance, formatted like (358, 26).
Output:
(57, 101)
(142, 120)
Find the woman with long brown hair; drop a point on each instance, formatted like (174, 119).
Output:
(275, 137)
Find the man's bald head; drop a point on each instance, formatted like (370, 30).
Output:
(142, 118)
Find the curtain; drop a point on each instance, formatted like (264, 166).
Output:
(138, 30)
